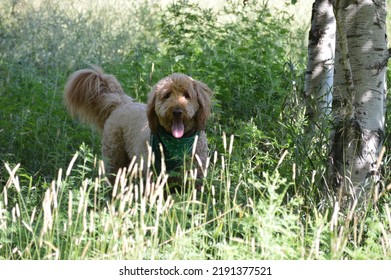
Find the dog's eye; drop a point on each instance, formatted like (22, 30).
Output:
(167, 95)
(186, 94)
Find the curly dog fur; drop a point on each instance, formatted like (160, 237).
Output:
(177, 103)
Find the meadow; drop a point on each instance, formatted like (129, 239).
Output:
(264, 195)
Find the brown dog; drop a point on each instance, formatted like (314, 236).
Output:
(177, 111)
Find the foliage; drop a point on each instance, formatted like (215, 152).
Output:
(263, 197)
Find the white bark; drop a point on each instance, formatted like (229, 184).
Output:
(359, 94)
(320, 67)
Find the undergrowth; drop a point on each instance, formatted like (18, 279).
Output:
(264, 195)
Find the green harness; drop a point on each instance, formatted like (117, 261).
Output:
(174, 149)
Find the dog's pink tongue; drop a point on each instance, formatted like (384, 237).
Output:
(177, 129)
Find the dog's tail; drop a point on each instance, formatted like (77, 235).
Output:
(92, 95)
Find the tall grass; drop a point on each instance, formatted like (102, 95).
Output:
(75, 219)
(263, 196)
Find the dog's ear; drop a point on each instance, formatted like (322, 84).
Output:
(153, 120)
(204, 96)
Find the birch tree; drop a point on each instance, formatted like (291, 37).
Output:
(359, 95)
(320, 66)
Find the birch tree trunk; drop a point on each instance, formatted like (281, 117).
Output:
(359, 95)
(320, 67)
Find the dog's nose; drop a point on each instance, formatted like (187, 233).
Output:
(177, 113)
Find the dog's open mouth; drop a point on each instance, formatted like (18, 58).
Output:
(177, 128)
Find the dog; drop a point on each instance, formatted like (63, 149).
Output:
(175, 115)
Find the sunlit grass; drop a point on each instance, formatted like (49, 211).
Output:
(77, 218)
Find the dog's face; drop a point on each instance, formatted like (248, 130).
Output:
(179, 104)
